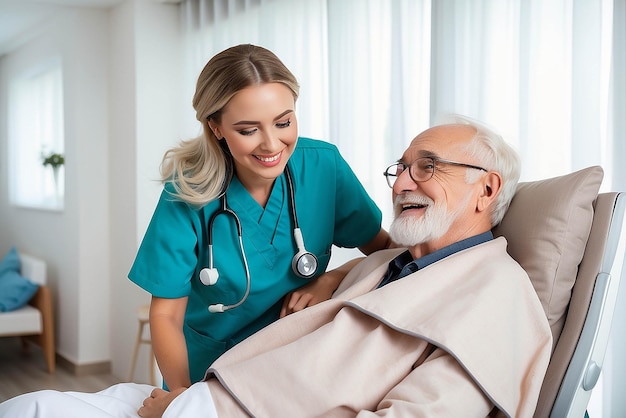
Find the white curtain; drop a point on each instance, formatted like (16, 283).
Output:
(549, 75)
(539, 71)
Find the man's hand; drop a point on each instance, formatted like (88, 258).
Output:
(157, 403)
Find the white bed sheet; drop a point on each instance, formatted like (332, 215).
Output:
(119, 401)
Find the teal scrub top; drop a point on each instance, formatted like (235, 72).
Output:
(332, 208)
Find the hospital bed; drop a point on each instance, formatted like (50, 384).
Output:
(571, 241)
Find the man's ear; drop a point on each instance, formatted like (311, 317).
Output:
(490, 189)
(216, 129)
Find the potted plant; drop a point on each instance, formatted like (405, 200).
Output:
(54, 160)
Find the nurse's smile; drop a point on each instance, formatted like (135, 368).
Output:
(269, 161)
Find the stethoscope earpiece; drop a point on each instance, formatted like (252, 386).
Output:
(303, 264)
(218, 308)
(209, 276)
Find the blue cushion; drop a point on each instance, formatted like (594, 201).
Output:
(15, 290)
(10, 262)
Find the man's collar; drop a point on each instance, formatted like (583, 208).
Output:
(453, 248)
(403, 264)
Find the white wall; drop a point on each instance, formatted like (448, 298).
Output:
(145, 119)
(122, 111)
(75, 241)
(122, 164)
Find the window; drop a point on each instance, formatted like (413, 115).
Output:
(35, 136)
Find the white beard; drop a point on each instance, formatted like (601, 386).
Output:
(409, 231)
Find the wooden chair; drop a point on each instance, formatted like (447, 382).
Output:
(143, 315)
(34, 321)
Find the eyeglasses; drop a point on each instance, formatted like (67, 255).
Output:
(422, 169)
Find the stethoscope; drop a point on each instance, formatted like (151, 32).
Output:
(303, 264)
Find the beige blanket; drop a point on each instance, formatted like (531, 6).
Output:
(454, 339)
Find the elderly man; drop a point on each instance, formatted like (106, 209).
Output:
(450, 327)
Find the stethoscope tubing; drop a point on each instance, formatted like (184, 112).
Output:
(303, 260)
(225, 210)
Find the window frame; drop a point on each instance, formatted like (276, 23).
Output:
(35, 129)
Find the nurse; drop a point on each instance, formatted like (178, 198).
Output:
(274, 195)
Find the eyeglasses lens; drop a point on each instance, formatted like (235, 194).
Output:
(422, 169)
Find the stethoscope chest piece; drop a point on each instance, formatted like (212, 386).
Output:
(304, 263)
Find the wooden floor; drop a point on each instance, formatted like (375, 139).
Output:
(22, 372)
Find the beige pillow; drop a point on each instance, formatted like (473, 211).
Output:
(547, 227)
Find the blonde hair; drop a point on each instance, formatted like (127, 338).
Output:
(200, 169)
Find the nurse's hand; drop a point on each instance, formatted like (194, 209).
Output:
(157, 403)
(313, 293)
(317, 291)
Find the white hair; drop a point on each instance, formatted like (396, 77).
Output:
(490, 151)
